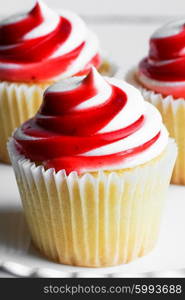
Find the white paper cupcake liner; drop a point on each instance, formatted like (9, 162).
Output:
(97, 219)
(18, 102)
(173, 114)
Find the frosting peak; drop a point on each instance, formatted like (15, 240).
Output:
(164, 69)
(41, 45)
(91, 123)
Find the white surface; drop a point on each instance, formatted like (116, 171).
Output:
(14, 239)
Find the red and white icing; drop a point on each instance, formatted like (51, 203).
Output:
(163, 70)
(92, 123)
(42, 45)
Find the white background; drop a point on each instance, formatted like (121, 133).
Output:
(124, 28)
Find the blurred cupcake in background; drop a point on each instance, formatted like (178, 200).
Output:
(161, 79)
(93, 167)
(36, 49)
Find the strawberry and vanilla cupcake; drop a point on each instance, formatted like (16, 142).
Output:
(36, 49)
(93, 167)
(161, 78)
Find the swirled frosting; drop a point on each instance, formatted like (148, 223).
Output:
(163, 70)
(92, 123)
(43, 46)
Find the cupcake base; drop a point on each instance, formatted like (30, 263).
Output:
(18, 103)
(97, 219)
(173, 114)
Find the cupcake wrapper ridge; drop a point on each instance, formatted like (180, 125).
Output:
(18, 103)
(97, 219)
(173, 114)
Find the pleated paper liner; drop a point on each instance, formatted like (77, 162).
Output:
(18, 102)
(173, 113)
(21, 101)
(97, 219)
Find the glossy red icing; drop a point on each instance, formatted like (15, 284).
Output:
(31, 59)
(60, 134)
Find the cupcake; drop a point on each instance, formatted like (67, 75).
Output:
(93, 167)
(37, 49)
(161, 78)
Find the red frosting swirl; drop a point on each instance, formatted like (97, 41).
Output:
(27, 51)
(166, 61)
(62, 132)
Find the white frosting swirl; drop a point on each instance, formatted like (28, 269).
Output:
(169, 29)
(135, 107)
(163, 69)
(79, 34)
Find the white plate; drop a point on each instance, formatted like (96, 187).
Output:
(18, 257)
